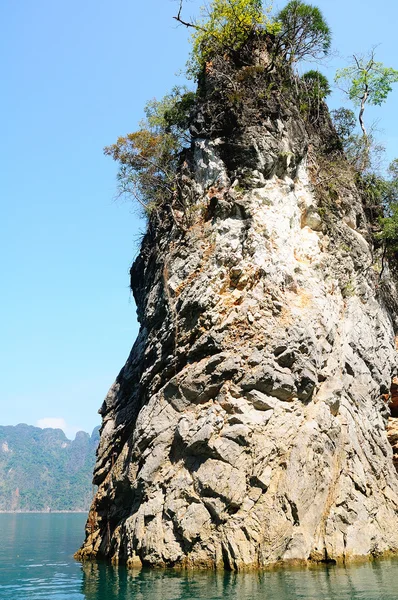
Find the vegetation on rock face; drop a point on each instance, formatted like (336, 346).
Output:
(226, 34)
(389, 200)
(149, 157)
(214, 321)
(224, 27)
(317, 85)
(303, 33)
(41, 470)
(344, 121)
(363, 154)
(300, 31)
(314, 88)
(366, 81)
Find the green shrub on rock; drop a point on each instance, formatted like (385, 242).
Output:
(148, 158)
(316, 84)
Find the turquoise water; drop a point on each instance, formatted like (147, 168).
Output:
(36, 562)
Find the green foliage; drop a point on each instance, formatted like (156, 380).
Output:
(389, 233)
(344, 121)
(389, 223)
(380, 194)
(377, 191)
(304, 33)
(393, 171)
(364, 153)
(224, 27)
(299, 31)
(348, 289)
(367, 79)
(40, 469)
(317, 85)
(148, 158)
(176, 117)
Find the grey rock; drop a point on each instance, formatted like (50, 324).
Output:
(286, 358)
(272, 381)
(248, 425)
(216, 479)
(312, 219)
(261, 401)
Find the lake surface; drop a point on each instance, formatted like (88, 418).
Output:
(36, 562)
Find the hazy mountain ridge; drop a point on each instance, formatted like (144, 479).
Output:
(42, 470)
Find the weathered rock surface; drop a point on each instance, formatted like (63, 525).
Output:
(392, 427)
(392, 431)
(248, 425)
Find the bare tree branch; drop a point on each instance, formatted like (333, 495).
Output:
(186, 23)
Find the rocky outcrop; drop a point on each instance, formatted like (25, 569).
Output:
(248, 425)
(392, 427)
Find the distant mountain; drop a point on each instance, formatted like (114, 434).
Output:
(41, 470)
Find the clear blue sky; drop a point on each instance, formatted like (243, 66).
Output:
(75, 75)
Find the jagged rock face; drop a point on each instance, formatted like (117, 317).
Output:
(248, 425)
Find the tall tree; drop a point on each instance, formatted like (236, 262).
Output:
(366, 81)
(304, 33)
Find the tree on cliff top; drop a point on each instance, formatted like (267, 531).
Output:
(224, 26)
(299, 31)
(149, 157)
(304, 33)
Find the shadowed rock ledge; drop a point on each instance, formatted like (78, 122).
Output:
(248, 425)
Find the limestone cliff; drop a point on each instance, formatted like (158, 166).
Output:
(248, 425)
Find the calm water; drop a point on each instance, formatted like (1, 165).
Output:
(36, 562)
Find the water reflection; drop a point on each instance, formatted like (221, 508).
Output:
(36, 563)
(370, 581)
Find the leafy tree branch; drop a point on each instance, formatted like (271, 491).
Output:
(366, 82)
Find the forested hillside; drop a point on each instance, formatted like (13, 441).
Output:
(41, 469)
